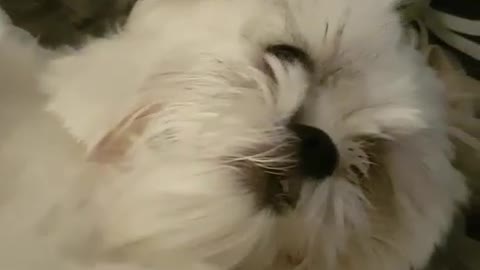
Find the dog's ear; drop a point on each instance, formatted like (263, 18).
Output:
(97, 93)
(114, 146)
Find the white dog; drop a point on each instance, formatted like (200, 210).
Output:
(218, 135)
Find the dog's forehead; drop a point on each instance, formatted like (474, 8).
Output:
(216, 19)
(343, 28)
(317, 25)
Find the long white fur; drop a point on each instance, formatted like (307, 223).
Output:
(179, 91)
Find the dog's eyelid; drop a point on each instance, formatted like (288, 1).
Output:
(291, 54)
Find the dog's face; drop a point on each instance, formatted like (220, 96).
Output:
(273, 134)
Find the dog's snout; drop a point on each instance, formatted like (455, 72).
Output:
(290, 54)
(318, 155)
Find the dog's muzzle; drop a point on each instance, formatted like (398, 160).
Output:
(315, 158)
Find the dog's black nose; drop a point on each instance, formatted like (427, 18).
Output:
(290, 54)
(318, 156)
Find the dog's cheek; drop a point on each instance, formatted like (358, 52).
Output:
(176, 207)
(412, 192)
(427, 189)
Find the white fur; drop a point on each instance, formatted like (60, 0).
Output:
(122, 161)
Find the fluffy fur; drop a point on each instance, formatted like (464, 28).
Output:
(125, 154)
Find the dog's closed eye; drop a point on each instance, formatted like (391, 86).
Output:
(290, 54)
(291, 69)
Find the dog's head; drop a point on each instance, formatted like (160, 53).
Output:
(290, 130)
